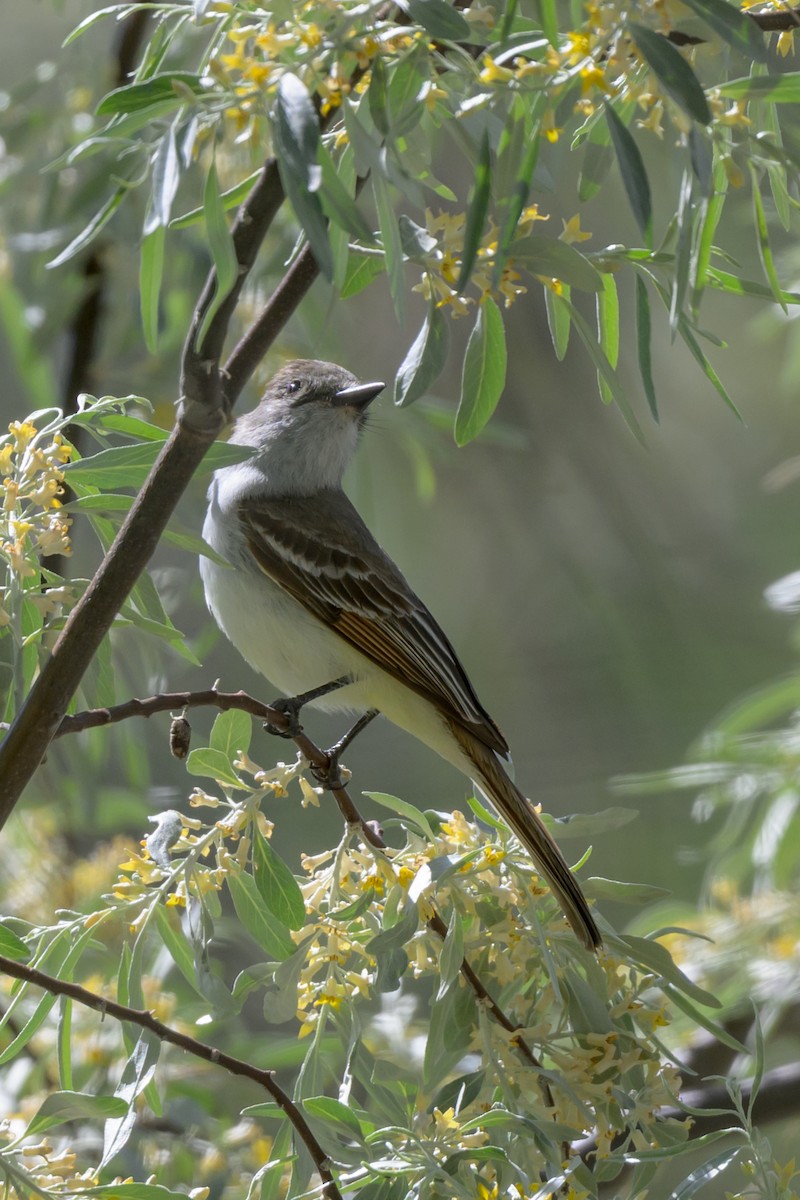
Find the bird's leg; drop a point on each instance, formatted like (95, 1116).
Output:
(290, 706)
(329, 776)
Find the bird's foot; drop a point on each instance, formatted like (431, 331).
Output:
(332, 774)
(290, 706)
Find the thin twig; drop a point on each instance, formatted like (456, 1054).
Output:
(145, 1020)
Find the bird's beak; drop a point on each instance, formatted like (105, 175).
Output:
(359, 396)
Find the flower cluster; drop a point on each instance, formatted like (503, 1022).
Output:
(32, 523)
(323, 43)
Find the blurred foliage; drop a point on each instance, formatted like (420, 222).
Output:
(411, 144)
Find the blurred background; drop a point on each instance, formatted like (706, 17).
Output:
(607, 600)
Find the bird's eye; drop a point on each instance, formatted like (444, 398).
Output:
(293, 386)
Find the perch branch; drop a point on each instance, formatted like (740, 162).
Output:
(145, 1020)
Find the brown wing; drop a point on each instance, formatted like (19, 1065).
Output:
(319, 550)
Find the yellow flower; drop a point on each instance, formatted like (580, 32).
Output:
(593, 77)
(572, 231)
(577, 47)
(23, 433)
(492, 73)
(786, 42)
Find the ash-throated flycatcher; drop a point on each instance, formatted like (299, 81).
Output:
(312, 598)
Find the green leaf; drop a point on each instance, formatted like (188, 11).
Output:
(377, 96)
(230, 199)
(60, 1107)
(451, 955)
(390, 237)
(608, 330)
(276, 883)
(477, 208)
(231, 733)
(295, 130)
(643, 325)
(407, 811)
(672, 71)
(262, 925)
(780, 89)
(733, 26)
(699, 355)
(595, 165)
(442, 21)
(425, 359)
(361, 270)
(606, 371)
(449, 1034)
(158, 88)
(624, 893)
(334, 1113)
(634, 176)
(132, 1191)
(119, 466)
(213, 764)
(705, 241)
(558, 319)
(337, 201)
(151, 266)
(166, 177)
(12, 946)
(548, 18)
(657, 958)
(764, 248)
(484, 374)
(718, 1163)
(178, 946)
(555, 259)
(90, 231)
(223, 255)
(725, 282)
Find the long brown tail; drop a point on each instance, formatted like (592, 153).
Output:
(522, 818)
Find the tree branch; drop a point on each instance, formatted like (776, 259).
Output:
(145, 1020)
(321, 763)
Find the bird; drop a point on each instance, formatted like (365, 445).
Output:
(314, 604)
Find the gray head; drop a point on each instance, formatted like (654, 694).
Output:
(307, 424)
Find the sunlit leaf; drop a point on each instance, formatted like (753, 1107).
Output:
(231, 733)
(780, 89)
(60, 1107)
(262, 924)
(607, 303)
(764, 248)
(155, 90)
(558, 318)
(276, 883)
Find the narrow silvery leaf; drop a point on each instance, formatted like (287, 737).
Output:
(297, 129)
(440, 19)
(643, 324)
(672, 71)
(476, 212)
(166, 177)
(425, 360)
(220, 243)
(558, 318)
(484, 373)
(634, 175)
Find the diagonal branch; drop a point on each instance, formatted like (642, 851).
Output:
(145, 1020)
